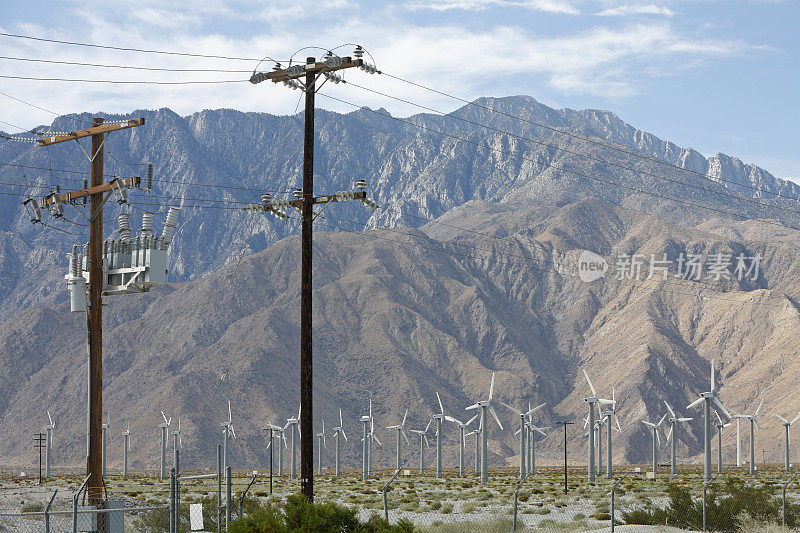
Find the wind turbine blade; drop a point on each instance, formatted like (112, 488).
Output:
(323, 427)
(685, 419)
(494, 414)
(512, 409)
(233, 432)
(662, 420)
(370, 407)
(758, 427)
(230, 415)
(491, 387)
(50, 418)
(759, 408)
(586, 422)
(517, 432)
(531, 411)
(670, 409)
(165, 418)
(405, 435)
(669, 434)
(648, 424)
(695, 403)
(712, 376)
(344, 434)
(471, 407)
(451, 419)
(617, 421)
(718, 418)
(285, 445)
(722, 407)
(376, 440)
(795, 419)
(403, 423)
(589, 381)
(441, 407)
(341, 423)
(427, 444)
(429, 425)
(471, 420)
(658, 438)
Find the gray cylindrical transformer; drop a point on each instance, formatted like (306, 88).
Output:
(77, 294)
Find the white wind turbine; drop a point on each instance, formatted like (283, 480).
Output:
(401, 429)
(439, 418)
(292, 424)
(273, 429)
(164, 426)
(321, 444)
(533, 430)
(477, 433)
(608, 411)
(673, 420)
(227, 431)
(338, 429)
(103, 447)
(48, 443)
(753, 422)
(720, 426)
(423, 441)
(707, 398)
(522, 431)
(786, 426)
(656, 438)
(592, 401)
(372, 437)
(461, 427)
(126, 437)
(177, 444)
(486, 407)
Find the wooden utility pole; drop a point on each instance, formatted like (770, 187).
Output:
(306, 352)
(94, 323)
(565, 452)
(309, 72)
(39, 440)
(94, 314)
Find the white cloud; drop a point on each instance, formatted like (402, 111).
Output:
(547, 6)
(637, 9)
(607, 62)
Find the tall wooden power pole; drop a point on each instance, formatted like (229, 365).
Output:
(94, 313)
(310, 72)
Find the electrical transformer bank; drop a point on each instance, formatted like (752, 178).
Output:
(130, 264)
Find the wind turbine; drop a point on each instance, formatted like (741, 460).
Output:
(673, 419)
(48, 429)
(753, 422)
(401, 428)
(227, 430)
(609, 412)
(321, 444)
(720, 425)
(164, 425)
(461, 427)
(338, 429)
(707, 398)
(532, 444)
(657, 438)
(126, 435)
(177, 444)
(786, 426)
(365, 419)
(522, 431)
(486, 406)
(292, 424)
(281, 437)
(439, 417)
(423, 441)
(272, 428)
(592, 401)
(372, 437)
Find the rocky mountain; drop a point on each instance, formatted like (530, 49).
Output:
(468, 267)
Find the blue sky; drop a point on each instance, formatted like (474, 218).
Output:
(716, 75)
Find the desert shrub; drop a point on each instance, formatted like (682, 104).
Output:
(435, 505)
(446, 508)
(523, 496)
(36, 507)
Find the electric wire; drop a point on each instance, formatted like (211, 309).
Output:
(579, 136)
(123, 82)
(129, 67)
(20, 100)
(582, 155)
(561, 168)
(123, 49)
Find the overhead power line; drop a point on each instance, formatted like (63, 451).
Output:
(579, 154)
(562, 168)
(575, 135)
(128, 67)
(123, 82)
(123, 49)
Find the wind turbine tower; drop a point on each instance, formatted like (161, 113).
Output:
(292, 425)
(786, 426)
(164, 426)
(48, 443)
(753, 422)
(401, 429)
(707, 398)
(126, 435)
(720, 426)
(423, 442)
(338, 429)
(461, 427)
(656, 439)
(321, 444)
(673, 420)
(486, 407)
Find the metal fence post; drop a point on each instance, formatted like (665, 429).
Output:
(53, 497)
(784, 498)
(244, 495)
(705, 489)
(227, 496)
(613, 495)
(219, 489)
(385, 489)
(516, 494)
(75, 505)
(172, 500)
